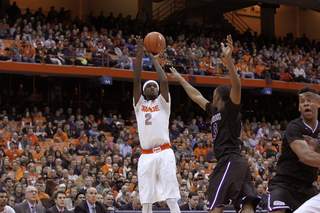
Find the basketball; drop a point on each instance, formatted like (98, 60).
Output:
(154, 42)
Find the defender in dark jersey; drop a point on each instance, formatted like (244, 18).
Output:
(298, 163)
(231, 178)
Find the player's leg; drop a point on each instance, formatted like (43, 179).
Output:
(247, 207)
(216, 210)
(278, 211)
(167, 182)
(173, 205)
(311, 206)
(147, 183)
(147, 208)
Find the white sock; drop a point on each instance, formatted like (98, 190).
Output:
(147, 208)
(173, 205)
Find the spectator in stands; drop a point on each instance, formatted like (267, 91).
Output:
(28, 52)
(32, 137)
(264, 197)
(71, 123)
(16, 171)
(193, 203)
(299, 73)
(91, 201)
(134, 205)
(124, 61)
(193, 127)
(60, 136)
(104, 126)
(109, 202)
(15, 52)
(30, 203)
(87, 185)
(81, 148)
(125, 148)
(52, 53)
(42, 120)
(253, 141)
(69, 55)
(12, 152)
(194, 64)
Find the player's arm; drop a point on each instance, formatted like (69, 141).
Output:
(313, 143)
(192, 92)
(305, 154)
(235, 93)
(137, 71)
(164, 86)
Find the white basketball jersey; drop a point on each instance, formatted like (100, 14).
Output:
(153, 121)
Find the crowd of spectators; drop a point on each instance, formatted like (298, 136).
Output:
(109, 151)
(103, 150)
(55, 38)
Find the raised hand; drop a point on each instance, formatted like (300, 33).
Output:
(174, 74)
(153, 56)
(140, 46)
(227, 50)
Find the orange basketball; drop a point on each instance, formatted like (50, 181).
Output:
(154, 42)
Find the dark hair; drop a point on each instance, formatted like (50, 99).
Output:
(191, 194)
(3, 191)
(59, 191)
(80, 193)
(224, 91)
(307, 89)
(7, 179)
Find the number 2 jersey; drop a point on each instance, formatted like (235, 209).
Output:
(225, 128)
(153, 121)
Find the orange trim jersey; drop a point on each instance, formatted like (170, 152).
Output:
(153, 121)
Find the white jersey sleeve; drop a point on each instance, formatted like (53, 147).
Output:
(153, 121)
(8, 209)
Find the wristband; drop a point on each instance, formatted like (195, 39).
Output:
(317, 141)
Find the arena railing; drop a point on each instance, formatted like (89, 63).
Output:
(213, 69)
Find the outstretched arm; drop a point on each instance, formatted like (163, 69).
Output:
(137, 71)
(235, 93)
(164, 86)
(192, 92)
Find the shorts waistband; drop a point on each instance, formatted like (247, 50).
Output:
(156, 149)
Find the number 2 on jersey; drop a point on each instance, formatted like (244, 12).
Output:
(148, 117)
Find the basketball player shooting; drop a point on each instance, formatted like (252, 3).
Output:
(231, 178)
(157, 165)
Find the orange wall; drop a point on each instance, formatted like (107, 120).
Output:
(297, 21)
(126, 7)
(73, 5)
(286, 19)
(253, 22)
(310, 24)
(82, 7)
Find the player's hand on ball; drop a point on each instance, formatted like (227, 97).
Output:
(174, 74)
(152, 56)
(140, 47)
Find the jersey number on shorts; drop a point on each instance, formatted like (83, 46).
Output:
(214, 130)
(148, 117)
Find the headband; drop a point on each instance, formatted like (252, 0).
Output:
(150, 81)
